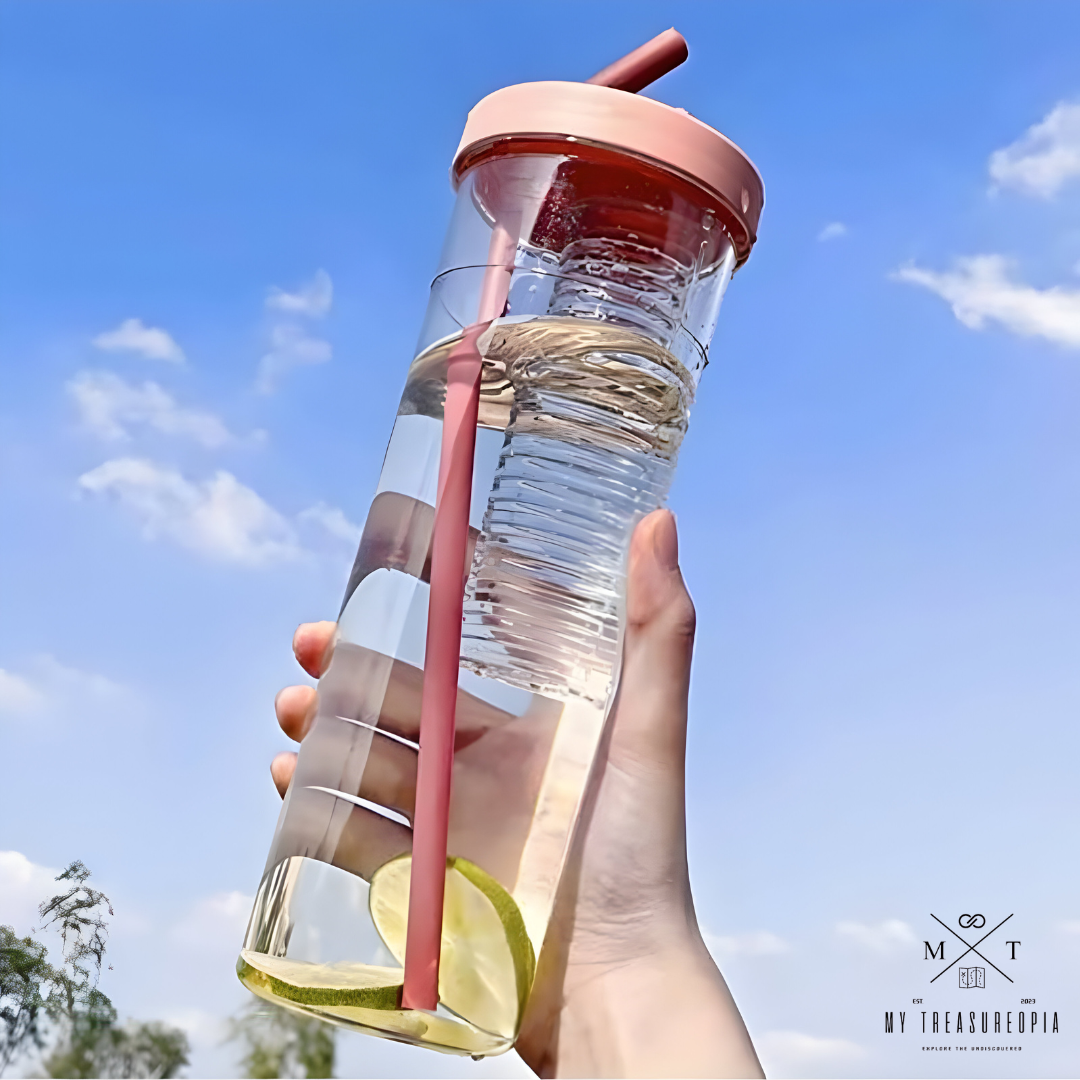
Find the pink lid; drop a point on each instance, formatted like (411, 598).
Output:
(599, 114)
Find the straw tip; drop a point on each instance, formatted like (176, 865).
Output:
(645, 64)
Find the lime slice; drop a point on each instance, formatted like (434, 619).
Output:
(487, 962)
(321, 985)
(362, 997)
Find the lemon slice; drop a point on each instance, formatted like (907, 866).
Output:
(487, 962)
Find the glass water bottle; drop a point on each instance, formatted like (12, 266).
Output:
(616, 222)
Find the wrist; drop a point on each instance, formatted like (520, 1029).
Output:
(667, 1013)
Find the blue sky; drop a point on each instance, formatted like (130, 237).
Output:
(879, 498)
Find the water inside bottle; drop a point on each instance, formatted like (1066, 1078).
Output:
(594, 413)
(599, 413)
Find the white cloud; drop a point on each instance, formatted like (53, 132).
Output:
(290, 346)
(1070, 926)
(313, 299)
(757, 943)
(23, 885)
(334, 521)
(220, 517)
(833, 231)
(203, 1028)
(148, 341)
(45, 684)
(887, 936)
(57, 678)
(18, 697)
(1044, 158)
(108, 405)
(794, 1051)
(215, 921)
(979, 289)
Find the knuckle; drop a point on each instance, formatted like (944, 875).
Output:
(681, 615)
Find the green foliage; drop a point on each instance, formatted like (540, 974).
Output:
(149, 1049)
(86, 1019)
(87, 1040)
(315, 1047)
(77, 914)
(25, 976)
(279, 1042)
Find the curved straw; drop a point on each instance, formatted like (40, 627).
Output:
(449, 543)
(645, 64)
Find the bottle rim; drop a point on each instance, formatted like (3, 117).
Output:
(570, 112)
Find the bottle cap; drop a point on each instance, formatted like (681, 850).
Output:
(583, 112)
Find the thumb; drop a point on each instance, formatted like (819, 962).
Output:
(657, 648)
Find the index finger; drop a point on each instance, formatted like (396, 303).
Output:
(311, 646)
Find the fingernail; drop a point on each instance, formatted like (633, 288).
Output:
(666, 541)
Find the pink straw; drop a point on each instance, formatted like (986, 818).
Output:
(645, 64)
(449, 543)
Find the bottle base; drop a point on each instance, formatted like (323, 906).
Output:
(362, 998)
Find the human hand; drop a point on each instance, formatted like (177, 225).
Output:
(625, 985)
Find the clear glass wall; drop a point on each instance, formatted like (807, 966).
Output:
(588, 379)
